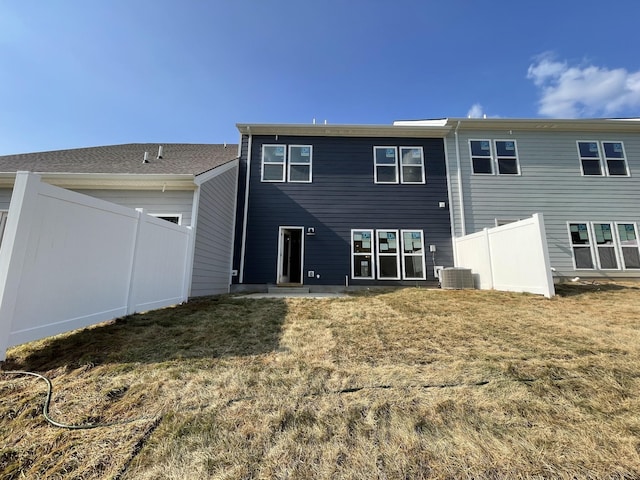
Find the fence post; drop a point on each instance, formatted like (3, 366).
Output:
(13, 252)
(131, 298)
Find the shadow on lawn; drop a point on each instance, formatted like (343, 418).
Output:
(213, 327)
(578, 289)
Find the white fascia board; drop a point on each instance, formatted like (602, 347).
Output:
(110, 181)
(322, 130)
(214, 172)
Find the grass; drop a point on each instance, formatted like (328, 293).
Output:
(402, 384)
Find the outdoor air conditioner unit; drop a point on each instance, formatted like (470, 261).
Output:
(456, 278)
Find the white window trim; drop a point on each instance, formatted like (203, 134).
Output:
(572, 245)
(602, 158)
(497, 157)
(596, 247)
(372, 254)
(173, 215)
(623, 159)
(422, 169)
(580, 158)
(385, 165)
(405, 255)
(290, 162)
(396, 255)
(620, 246)
(284, 163)
(490, 156)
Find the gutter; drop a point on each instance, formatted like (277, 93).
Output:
(110, 181)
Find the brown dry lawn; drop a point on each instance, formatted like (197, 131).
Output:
(404, 384)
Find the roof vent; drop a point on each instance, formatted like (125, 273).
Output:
(160, 151)
(146, 157)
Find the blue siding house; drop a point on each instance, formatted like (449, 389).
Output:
(337, 205)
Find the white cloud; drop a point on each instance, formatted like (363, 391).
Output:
(475, 111)
(584, 91)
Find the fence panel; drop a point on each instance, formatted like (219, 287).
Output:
(512, 257)
(68, 261)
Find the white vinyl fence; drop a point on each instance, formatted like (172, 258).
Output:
(512, 257)
(68, 261)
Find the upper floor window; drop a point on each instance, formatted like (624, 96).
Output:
(277, 166)
(602, 158)
(410, 164)
(499, 156)
(300, 163)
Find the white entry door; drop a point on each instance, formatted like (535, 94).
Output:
(290, 255)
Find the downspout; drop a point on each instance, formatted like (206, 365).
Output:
(463, 227)
(194, 224)
(459, 174)
(246, 209)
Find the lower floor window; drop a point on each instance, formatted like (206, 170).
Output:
(387, 254)
(605, 245)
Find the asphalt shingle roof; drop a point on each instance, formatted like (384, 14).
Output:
(177, 158)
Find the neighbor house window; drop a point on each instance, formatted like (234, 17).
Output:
(273, 163)
(169, 217)
(300, 163)
(362, 263)
(615, 159)
(605, 246)
(581, 245)
(499, 156)
(602, 158)
(386, 164)
(411, 165)
(413, 267)
(507, 157)
(608, 245)
(481, 159)
(628, 236)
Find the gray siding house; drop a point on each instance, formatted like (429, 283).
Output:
(582, 175)
(338, 205)
(189, 184)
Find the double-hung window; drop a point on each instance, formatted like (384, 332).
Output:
(628, 236)
(602, 158)
(387, 254)
(388, 260)
(411, 165)
(581, 245)
(292, 165)
(300, 163)
(499, 156)
(273, 163)
(386, 164)
(409, 162)
(605, 246)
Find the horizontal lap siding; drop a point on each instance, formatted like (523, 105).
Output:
(214, 235)
(5, 198)
(153, 201)
(342, 196)
(551, 183)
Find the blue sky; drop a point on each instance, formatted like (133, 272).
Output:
(77, 73)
